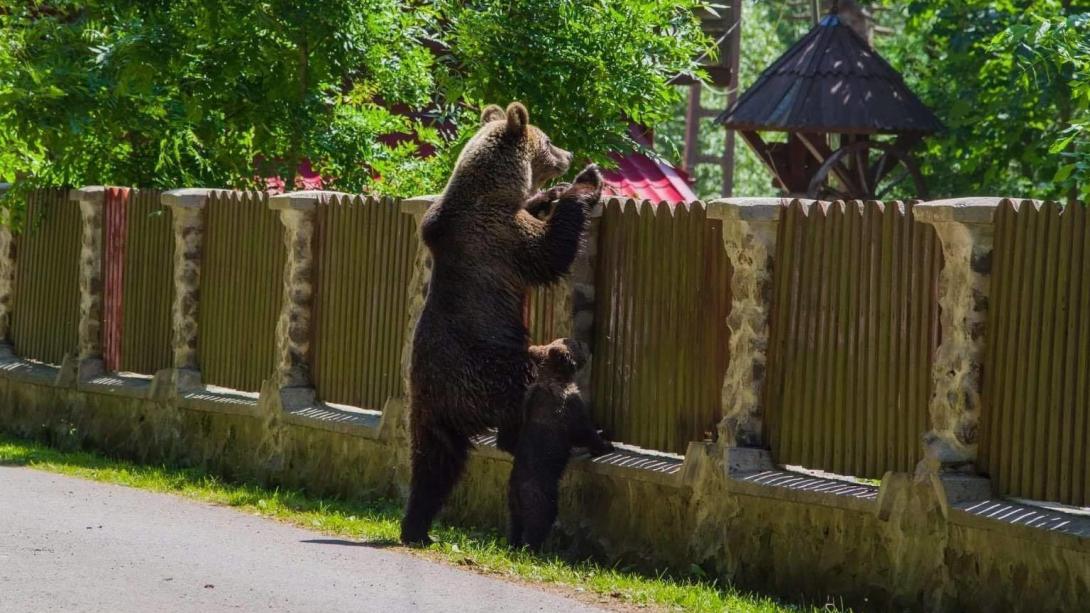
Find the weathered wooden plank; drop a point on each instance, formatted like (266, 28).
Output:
(45, 313)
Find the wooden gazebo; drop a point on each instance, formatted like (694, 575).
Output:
(849, 118)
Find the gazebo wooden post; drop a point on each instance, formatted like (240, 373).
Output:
(760, 148)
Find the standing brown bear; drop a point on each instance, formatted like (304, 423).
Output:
(556, 420)
(470, 362)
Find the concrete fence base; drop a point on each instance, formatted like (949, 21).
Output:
(932, 542)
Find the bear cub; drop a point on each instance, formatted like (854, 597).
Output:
(554, 421)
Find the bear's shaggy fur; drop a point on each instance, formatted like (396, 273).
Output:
(555, 421)
(470, 361)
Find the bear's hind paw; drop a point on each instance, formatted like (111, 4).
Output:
(415, 540)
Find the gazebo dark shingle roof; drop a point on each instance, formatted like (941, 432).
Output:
(831, 81)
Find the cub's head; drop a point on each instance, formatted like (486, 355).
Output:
(559, 360)
(509, 154)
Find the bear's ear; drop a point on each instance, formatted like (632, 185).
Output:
(539, 353)
(492, 112)
(517, 117)
(561, 358)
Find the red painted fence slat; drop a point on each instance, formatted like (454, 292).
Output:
(115, 221)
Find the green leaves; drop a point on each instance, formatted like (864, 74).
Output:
(1012, 83)
(585, 69)
(167, 93)
(192, 93)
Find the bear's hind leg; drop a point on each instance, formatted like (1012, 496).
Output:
(507, 436)
(539, 511)
(514, 514)
(439, 457)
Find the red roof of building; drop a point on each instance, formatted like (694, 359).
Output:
(642, 177)
(305, 178)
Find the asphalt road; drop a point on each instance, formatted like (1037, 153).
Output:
(72, 545)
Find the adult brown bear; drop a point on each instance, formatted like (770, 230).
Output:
(470, 361)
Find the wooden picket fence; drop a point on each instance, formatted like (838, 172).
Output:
(138, 279)
(1036, 416)
(242, 287)
(660, 345)
(365, 251)
(854, 327)
(543, 313)
(45, 310)
(853, 323)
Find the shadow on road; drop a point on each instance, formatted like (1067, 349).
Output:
(377, 544)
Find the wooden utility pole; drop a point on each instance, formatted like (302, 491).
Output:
(726, 29)
(734, 48)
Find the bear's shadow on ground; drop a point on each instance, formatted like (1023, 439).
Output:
(375, 544)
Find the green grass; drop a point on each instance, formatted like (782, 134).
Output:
(377, 521)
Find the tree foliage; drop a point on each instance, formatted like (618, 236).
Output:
(1009, 80)
(766, 33)
(192, 92)
(587, 68)
(219, 92)
(1056, 52)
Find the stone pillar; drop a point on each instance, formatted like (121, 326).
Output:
(964, 227)
(7, 272)
(582, 296)
(418, 285)
(91, 202)
(186, 206)
(749, 237)
(294, 332)
(395, 428)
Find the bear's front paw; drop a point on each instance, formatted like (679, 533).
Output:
(541, 203)
(590, 176)
(587, 189)
(602, 448)
(554, 192)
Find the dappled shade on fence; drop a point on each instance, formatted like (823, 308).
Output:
(45, 315)
(1036, 414)
(241, 290)
(365, 249)
(660, 342)
(853, 330)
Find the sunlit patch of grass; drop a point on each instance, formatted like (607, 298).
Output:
(378, 521)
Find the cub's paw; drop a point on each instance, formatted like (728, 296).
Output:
(602, 449)
(417, 542)
(554, 192)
